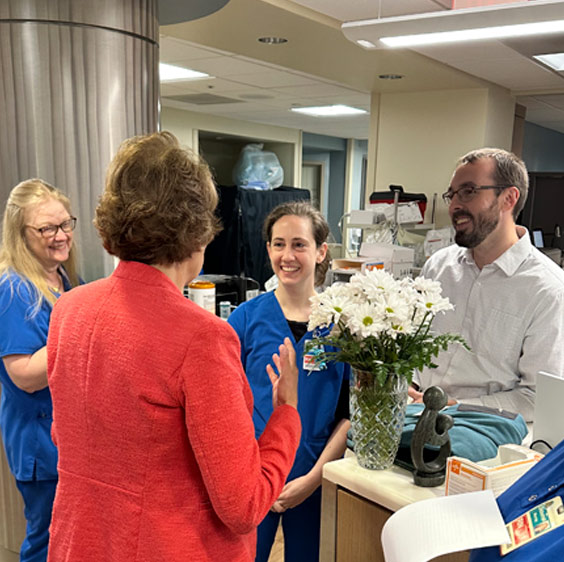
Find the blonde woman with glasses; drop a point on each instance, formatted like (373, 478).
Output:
(37, 265)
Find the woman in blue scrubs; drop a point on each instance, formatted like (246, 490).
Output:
(296, 235)
(37, 264)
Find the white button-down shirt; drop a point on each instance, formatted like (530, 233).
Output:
(511, 314)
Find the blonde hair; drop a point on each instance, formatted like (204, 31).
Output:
(15, 254)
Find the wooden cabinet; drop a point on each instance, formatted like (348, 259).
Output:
(359, 526)
(355, 505)
(12, 520)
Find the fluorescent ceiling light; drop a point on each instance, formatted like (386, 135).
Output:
(487, 22)
(497, 32)
(554, 60)
(172, 73)
(329, 110)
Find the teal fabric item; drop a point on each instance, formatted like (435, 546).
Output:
(475, 435)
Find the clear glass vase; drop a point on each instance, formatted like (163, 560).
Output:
(377, 416)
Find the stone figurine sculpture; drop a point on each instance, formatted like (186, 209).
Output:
(431, 429)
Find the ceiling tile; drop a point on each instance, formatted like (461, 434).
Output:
(516, 73)
(542, 114)
(274, 79)
(552, 100)
(319, 89)
(173, 50)
(467, 52)
(227, 66)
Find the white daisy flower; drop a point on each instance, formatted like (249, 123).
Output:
(366, 320)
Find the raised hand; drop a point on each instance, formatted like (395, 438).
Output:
(285, 380)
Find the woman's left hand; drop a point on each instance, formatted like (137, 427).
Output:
(294, 493)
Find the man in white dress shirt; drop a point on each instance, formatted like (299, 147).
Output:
(508, 296)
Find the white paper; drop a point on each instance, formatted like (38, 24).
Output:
(407, 212)
(426, 529)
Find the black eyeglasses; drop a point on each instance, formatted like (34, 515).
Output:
(467, 192)
(51, 230)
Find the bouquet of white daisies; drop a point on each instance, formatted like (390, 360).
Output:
(380, 324)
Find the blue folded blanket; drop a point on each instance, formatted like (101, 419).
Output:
(475, 435)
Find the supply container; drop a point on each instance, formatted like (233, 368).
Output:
(203, 294)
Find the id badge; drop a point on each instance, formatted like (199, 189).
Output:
(534, 523)
(311, 360)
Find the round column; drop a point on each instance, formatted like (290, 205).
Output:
(78, 77)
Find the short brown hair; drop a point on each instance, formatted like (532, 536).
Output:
(509, 170)
(159, 202)
(319, 227)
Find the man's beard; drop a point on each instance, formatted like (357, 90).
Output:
(482, 226)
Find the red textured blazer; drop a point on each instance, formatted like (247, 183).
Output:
(152, 417)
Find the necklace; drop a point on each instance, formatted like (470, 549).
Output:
(56, 288)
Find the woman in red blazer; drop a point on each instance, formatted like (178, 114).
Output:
(152, 410)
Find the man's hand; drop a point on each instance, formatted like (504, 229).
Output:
(415, 394)
(418, 397)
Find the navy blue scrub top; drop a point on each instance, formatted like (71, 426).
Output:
(539, 484)
(262, 327)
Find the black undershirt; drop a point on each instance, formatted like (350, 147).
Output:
(299, 329)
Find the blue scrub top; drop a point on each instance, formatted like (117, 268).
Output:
(262, 327)
(25, 418)
(539, 484)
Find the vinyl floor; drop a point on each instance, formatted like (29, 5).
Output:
(9, 556)
(277, 552)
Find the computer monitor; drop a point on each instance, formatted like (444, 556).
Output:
(548, 422)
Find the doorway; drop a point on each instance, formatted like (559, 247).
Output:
(313, 180)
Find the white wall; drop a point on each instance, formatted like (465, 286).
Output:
(500, 119)
(186, 124)
(420, 136)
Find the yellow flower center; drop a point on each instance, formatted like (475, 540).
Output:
(367, 321)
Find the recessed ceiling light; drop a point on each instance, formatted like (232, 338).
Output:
(366, 44)
(329, 110)
(273, 40)
(390, 76)
(172, 73)
(554, 60)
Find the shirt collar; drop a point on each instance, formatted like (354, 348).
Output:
(512, 258)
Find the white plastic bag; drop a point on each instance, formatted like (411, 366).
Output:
(257, 169)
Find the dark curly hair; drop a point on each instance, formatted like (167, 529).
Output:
(319, 228)
(159, 201)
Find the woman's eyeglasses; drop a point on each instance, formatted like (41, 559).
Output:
(51, 230)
